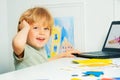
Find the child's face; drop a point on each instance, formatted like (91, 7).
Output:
(38, 35)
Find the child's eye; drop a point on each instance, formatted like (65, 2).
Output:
(35, 27)
(46, 28)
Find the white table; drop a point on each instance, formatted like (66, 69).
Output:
(61, 69)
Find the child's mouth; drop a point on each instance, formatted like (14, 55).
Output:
(40, 39)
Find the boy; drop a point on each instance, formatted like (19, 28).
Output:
(34, 30)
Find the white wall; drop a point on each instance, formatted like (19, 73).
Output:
(96, 19)
(117, 9)
(5, 57)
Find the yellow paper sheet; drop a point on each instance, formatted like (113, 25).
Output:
(93, 62)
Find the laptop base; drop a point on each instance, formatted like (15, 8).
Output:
(98, 54)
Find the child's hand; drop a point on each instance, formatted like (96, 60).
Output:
(66, 54)
(24, 24)
(70, 53)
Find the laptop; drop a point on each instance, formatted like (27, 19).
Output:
(111, 46)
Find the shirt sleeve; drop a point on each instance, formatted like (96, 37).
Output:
(18, 59)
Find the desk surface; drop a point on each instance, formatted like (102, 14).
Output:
(61, 69)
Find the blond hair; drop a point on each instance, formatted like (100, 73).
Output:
(37, 14)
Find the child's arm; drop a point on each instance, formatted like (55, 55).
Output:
(19, 41)
(68, 53)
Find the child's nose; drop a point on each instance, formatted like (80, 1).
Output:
(41, 31)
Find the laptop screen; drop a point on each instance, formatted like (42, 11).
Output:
(113, 38)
